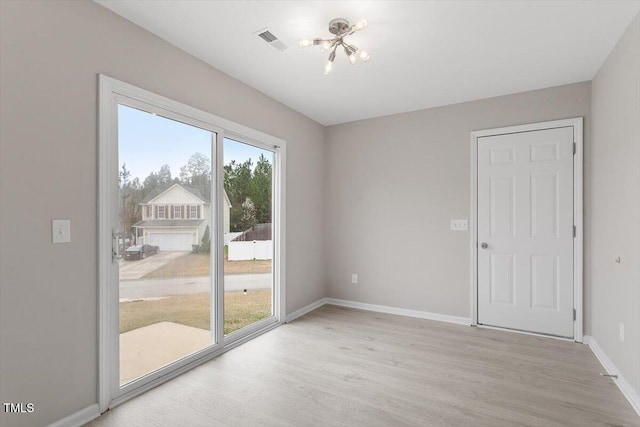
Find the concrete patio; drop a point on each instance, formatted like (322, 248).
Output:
(146, 349)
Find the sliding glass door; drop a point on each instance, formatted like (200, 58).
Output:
(191, 230)
(166, 299)
(249, 237)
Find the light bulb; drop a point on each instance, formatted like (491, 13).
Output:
(353, 58)
(360, 24)
(328, 67)
(364, 55)
(325, 46)
(305, 43)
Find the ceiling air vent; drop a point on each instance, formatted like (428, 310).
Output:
(271, 40)
(267, 36)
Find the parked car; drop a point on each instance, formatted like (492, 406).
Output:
(140, 251)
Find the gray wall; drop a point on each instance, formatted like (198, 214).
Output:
(615, 205)
(51, 54)
(393, 183)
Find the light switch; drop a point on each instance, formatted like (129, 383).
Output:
(459, 224)
(60, 230)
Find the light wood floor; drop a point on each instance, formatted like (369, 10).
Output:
(345, 367)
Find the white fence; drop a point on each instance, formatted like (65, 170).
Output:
(230, 236)
(256, 249)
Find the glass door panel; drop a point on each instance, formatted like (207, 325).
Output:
(248, 235)
(166, 303)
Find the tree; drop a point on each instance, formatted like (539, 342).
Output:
(205, 242)
(164, 175)
(162, 178)
(197, 173)
(250, 192)
(237, 184)
(260, 190)
(248, 219)
(130, 197)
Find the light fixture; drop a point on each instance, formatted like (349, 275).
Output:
(341, 28)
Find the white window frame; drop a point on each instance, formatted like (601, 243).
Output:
(162, 214)
(577, 124)
(111, 93)
(179, 210)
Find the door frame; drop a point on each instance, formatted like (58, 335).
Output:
(577, 124)
(110, 91)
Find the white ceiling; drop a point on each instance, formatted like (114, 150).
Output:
(423, 53)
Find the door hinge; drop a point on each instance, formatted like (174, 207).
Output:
(574, 314)
(574, 231)
(574, 148)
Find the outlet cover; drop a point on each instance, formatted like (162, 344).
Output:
(354, 278)
(459, 225)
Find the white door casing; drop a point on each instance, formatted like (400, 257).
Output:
(526, 200)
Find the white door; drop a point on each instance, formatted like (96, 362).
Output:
(525, 231)
(171, 241)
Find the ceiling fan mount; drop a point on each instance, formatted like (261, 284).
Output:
(339, 26)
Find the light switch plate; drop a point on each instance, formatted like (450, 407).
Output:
(60, 231)
(459, 224)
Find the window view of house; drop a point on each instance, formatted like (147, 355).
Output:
(167, 218)
(165, 286)
(188, 219)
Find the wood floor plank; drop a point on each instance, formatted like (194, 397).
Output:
(345, 367)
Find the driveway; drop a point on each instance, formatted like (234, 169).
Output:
(152, 288)
(137, 269)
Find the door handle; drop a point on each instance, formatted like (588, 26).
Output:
(483, 245)
(117, 251)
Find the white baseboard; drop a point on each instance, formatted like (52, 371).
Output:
(400, 311)
(306, 309)
(80, 418)
(380, 309)
(629, 393)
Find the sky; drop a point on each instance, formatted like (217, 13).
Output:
(147, 141)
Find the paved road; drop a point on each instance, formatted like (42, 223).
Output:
(151, 288)
(131, 270)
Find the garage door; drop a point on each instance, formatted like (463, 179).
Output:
(171, 242)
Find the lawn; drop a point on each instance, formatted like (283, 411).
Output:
(191, 265)
(194, 310)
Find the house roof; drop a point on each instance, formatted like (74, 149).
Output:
(193, 190)
(163, 188)
(169, 223)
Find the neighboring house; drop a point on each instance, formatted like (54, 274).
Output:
(175, 218)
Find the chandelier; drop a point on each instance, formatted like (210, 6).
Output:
(341, 28)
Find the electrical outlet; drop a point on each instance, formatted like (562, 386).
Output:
(459, 224)
(621, 332)
(354, 278)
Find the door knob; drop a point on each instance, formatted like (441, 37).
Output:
(484, 245)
